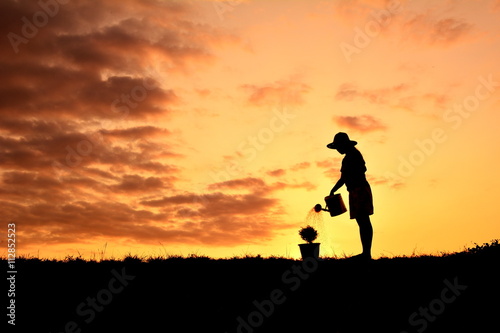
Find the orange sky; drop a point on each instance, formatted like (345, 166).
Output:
(178, 127)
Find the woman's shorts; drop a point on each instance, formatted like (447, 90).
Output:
(360, 201)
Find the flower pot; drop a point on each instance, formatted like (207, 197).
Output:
(309, 250)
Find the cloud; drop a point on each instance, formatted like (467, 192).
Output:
(136, 132)
(257, 185)
(96, 63)
(276, 173)
(82, 151)
(252, 218)
(352, 12)
(433, 25)
(293, 168)
(300, 166)
(60, 147)
(328, 163)
(65, 212)
(136, 183)
(350, 92)
(429, 29)
(82, 221)
(364, 123)
(216, 204)
(331, 167)
(402, 96)
(290, 92)
(392, 182)
(70, 85)
(250, 182)
(332, 170)
(449, 30)
(287, 185)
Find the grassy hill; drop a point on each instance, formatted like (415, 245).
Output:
(456, 292)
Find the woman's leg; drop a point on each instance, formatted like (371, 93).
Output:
(366, 234)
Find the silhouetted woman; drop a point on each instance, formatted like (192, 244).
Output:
(360, 194)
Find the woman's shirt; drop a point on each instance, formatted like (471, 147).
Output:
(353, 169)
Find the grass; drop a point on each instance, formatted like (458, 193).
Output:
(491, 248)
(204, 294)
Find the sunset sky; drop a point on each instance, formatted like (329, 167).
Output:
(174, 127)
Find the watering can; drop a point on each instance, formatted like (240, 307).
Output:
(334, 205)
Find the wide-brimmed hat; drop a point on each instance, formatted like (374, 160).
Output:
(341, 139)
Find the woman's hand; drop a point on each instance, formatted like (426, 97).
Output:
(339, 184)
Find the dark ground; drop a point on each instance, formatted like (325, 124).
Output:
(455, 293)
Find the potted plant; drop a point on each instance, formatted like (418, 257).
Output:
(310, 249)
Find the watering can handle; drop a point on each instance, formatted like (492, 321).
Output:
(338, 206)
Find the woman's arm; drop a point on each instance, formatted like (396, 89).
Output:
(339, 184)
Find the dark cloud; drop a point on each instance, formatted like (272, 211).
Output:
(250, 210)
(251, 217)
(250, 182)
(137, 184)
(135, 132)
(75, 164)
(56, 146)
(68, 81)
(98, 59)
(188, 218)
(38, 90)
(47, 223)
(258, 185)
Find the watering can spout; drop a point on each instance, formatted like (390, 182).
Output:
(318, 208)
